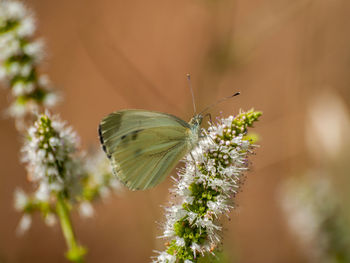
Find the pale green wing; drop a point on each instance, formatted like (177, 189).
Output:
(144, 146)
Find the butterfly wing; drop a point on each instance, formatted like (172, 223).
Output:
(144, 146)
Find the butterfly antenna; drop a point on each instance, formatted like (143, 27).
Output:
(190, 86)
(219, 101)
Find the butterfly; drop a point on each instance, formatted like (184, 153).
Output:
(144, 146)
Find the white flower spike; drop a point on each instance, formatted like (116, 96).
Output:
(205, 189)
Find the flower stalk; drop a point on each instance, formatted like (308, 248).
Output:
(75, 252)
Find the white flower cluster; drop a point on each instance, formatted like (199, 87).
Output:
(19, 57)
(314, 217)
(99, 183)
(204, 191)
(49, 153)
(27, 205)
(52, 163)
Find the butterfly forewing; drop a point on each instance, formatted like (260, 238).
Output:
(144, 146)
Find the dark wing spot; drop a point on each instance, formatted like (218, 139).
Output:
(125, 139)
(135, 133)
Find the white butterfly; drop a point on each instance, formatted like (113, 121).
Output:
(144, 146)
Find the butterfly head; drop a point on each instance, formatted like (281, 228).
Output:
(196, 120)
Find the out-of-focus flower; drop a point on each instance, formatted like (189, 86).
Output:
(24, 224)
(63, 179)
(19, 58)
(61, 176)
(205, 189)
(86, 209)
(100, 181)
(21, 199)
(315, 218)
(55, 166)
(328, 126)
(50, 154)
(29, 204)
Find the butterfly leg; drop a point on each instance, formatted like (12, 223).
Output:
(208, 114)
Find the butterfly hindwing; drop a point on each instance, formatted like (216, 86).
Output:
(148, 160)
(143, 146)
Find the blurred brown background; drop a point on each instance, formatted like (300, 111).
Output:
(108, 55)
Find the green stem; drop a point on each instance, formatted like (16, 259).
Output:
(75, 252)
